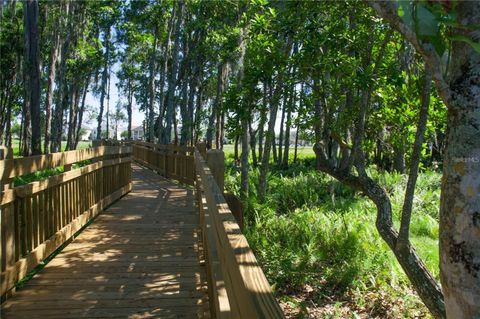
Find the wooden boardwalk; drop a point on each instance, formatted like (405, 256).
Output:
(138, 259)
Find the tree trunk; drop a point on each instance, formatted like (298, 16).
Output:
(244, 161)
(184, 113)
(235, 149)
(26, 130)
(263, 120)
(81, 111)
(151, 89)
(129, 109)
(61, 96)
(399, 158)
(32, 63)
(170, 109)
(215, 119)
(253, 144)
(459, 201)
(282, 123)
(404, 232)
(295, 154)
(291, 105)
(106, 44)
(50, 84)
(270, 137)
(72, 114)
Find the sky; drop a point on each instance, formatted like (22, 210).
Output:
(137, 116)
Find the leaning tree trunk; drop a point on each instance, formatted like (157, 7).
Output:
(459, 201)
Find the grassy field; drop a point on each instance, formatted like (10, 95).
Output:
(302, 152)
(44, 174)
(318, 245)
(81, 145)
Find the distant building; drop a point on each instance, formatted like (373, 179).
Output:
(86, 134)
(138, 133)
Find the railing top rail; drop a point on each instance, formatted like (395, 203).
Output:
(248, 290)
(10, 168)
(172, 147)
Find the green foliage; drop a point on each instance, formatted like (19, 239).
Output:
(313, 231)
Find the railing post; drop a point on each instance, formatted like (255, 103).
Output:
(216, 163)
(202, 148)
(7, 219)
(5, 153)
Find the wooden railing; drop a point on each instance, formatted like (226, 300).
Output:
(37, 218)
(171, 161)
(237, 285)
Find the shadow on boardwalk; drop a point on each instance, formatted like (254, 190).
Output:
(138, 259)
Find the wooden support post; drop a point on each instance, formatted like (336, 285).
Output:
(202, 148)
(97, 143)
(7, 222)
(216, 163)
(5, 153)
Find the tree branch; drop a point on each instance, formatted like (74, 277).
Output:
(388, 11)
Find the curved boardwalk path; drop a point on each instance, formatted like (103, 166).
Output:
(138, 259)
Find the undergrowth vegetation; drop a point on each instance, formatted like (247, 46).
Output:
(316, 238)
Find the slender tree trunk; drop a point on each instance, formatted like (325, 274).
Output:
(403, 236)
(50, 84)
(263, 120)
(274, 148)
(235, 148)
(216, 115)
(253, 144)
(170, 109)
(103, 90)
(295, 154)
(270, 138)
(198, 114)
(72, 115)
(184, 113)
(81, 111)
(8, 128)
(282, 123)
(62, 88)
(26, 130)
(151, 89)
(32, 70)
(287, 126)
(399, 158)
(129, 109)
(244, 161)
(108, 105)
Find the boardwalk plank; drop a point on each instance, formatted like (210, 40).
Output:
(139, 259)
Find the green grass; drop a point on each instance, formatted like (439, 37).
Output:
(312, 230)
(302, 152)
(81, 145)
(44, 174)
